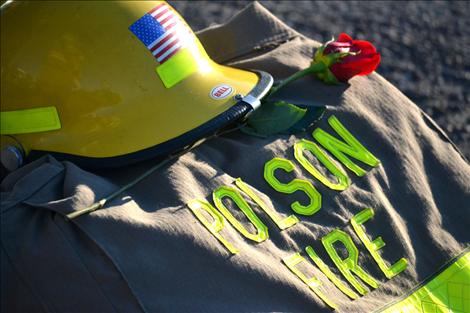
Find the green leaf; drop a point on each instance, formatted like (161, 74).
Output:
(273, 118)
(313, 115)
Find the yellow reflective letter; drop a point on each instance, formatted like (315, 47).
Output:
(351, 146)
(225, 191)
(343, 179)
(349, 264)
(375, 245)
(282, 223)
(313, 283)
(292, 186)
(217, 224)
(322, 266)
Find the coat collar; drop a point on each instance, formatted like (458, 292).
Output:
(252, 29)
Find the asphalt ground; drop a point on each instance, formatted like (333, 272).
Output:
(424, 45)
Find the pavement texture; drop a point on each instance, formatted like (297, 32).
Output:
(424, 45)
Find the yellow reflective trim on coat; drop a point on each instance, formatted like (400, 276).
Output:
(29, 121)
(447, 292)
(177, 68)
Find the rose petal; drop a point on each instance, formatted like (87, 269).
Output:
(363, 46)
(343, 37)
(344, 71)
(357, 57)
(344, 74)
(337, 47)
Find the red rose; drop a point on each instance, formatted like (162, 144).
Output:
(364, 60)
(338, 61)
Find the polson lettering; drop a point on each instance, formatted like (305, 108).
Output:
(307, 145)
(343, 150)
(282, 223)
(234, 194)
(351, 147)
(217, 224)
(292, 186)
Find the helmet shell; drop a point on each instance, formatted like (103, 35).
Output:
(81, 58)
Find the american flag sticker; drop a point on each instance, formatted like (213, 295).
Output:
(162, 32)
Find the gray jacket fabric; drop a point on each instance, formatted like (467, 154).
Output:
(147, 251)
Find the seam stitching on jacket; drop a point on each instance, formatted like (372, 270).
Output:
(273, 41)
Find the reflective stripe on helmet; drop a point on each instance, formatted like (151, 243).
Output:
(177, 68)
(29, 121)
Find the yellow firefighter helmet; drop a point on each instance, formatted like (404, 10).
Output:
(107, 83)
